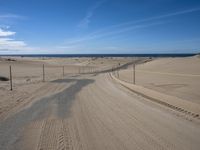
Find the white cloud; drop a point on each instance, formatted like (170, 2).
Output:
(4, 33)
(10, 44)
(7, 42)
(127, 26)
(10, 16)
(155, 18)
(112, 32)
(87, 19)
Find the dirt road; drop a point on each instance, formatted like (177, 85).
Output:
(95, 113)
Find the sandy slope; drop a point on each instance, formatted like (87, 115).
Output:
(178, 77)
(93, 112)
(90, 111)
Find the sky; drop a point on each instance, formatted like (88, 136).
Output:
(99, 26)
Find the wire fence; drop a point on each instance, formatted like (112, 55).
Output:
(19, 74)
(176, 82)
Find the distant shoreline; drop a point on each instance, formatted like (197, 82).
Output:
(101, 55)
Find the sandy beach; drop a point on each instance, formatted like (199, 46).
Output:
(174, 76)
(80, 105)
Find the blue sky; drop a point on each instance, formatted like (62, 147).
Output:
(101, 26)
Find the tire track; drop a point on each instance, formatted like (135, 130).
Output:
(158, 101)
(48, 136)
(54, 136)
(64, 139)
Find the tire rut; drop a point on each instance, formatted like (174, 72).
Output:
(54, 136)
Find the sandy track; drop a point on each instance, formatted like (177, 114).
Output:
(54, 135)
(93, 112)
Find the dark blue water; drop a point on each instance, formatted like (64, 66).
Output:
(103, 55)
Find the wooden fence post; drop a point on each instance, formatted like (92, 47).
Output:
(133, 73)
(63, 71)
(11, 88)
(43, 72)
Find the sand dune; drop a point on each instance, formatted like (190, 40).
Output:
(174, 76)
(89, 112)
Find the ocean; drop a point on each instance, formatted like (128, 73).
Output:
(102, 55)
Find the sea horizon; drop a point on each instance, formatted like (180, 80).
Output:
(103, 55)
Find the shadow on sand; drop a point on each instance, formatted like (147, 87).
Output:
(58, 105)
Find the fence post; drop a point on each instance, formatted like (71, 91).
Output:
(133, 73)
(119, 71)
(116, 71)
(43, 72)
(63, 71)
(11, 88)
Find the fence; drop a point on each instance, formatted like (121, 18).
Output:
(164, 78)
(20, 74)
(117, 70)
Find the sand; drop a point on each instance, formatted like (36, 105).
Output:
(86, 111)
(173, 76)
